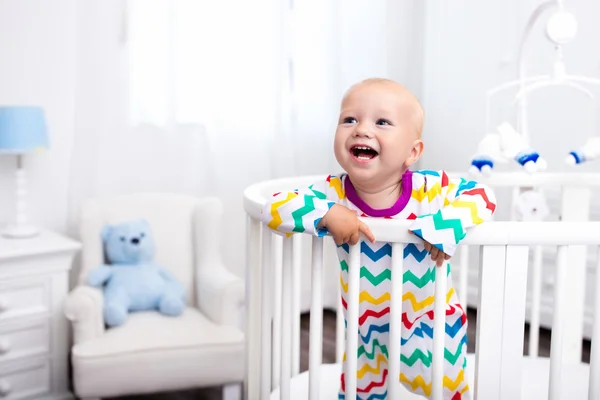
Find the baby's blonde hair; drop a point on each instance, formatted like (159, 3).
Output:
(417, 110)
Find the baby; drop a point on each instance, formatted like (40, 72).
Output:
(377, 140)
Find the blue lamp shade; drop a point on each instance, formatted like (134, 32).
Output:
(22, 129)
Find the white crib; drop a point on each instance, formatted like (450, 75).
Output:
(498, 368)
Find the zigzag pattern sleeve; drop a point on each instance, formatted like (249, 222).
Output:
(300, 211)
(465, 204)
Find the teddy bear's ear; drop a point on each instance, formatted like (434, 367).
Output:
(144, 222)
(105, 232)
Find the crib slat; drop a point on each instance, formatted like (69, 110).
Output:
(286, 319)
(575, 206)
(536, 302)
(594, 385)
(464, 275)
(340, 339)
(316, 319)
(557, 338)
(395, 320)
(513, 322)
(277, 254)
(296, 283)
(266, 293)
(253, 229)
(352, 320)
(439, 333)
(488, 352)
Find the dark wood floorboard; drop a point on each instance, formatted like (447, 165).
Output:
(329, 355)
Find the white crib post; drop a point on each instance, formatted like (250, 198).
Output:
(557, 343)
(575, 206)
(277, 254)
(594, 385)
(536, 302)
(286, 320)
(296, 277)
(340, 339)
(352, 331)
(395, 320)
(439, 332)
(513, 322)
(339, 327)
(316, 319)
(464, 277)
(266, 314)
(253, 334)
(488, 352)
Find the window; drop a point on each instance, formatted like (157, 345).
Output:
(191, 61)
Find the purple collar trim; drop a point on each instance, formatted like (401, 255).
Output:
(385, 212)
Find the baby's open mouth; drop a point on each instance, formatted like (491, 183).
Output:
(363, 152)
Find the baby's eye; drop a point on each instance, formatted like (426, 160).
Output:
(349, 120)
(142, 234)
(383, 122)
(122, 238)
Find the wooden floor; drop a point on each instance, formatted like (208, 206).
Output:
(329, 355)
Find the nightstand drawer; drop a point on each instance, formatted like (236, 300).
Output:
(23, 297)
(23, 339)
(29, 379)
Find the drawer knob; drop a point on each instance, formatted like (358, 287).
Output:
(4, 304)
(5, 388)
(4, 346)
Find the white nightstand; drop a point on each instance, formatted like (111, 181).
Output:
(34, 334)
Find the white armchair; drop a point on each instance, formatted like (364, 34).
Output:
(150, 352)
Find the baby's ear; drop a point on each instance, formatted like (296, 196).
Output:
(106, 232)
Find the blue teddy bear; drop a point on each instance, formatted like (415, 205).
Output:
(133, 281)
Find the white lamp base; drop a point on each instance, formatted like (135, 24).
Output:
(20, 232)
(21, 228)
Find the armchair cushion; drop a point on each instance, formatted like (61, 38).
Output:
(153, 352)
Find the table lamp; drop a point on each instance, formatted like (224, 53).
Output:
(22, 131)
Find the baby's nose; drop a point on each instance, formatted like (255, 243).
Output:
(135, 240)
(360, 131)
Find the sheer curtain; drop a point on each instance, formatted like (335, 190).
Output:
(207, 97)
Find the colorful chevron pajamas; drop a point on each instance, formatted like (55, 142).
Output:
(442, 209)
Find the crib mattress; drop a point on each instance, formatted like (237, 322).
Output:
(536, 374)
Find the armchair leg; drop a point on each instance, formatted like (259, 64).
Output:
(232, 391)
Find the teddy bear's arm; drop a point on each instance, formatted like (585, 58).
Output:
(98, 276)
(166, 274)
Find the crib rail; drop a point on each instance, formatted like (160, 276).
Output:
(274, 270)
(273, 329)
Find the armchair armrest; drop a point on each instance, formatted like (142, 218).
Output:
(220, 295)
(83, 307)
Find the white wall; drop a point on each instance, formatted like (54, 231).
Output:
(37, 49)
(405, 24)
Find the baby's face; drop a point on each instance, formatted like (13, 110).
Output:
(378, 133)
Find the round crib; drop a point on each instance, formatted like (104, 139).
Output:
(506, 251)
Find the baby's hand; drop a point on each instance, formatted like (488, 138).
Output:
(436, 254)
(344, 225)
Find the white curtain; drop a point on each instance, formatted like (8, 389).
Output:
(207, 97)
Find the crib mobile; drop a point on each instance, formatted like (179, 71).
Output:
(506, 143)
